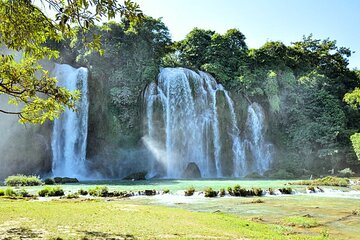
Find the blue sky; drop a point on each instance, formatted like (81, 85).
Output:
(264, 20)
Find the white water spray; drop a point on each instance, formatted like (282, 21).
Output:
(70, 131)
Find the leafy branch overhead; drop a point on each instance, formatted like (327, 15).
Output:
(25, 28)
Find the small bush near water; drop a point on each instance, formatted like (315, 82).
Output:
(287, 190)
(9, 192)
(51, 192)
(222, 192)
(22, 180)
(238, 191)
(82, 192)
(72, 196)
(209, 192)
(190, 191)
(99, 191)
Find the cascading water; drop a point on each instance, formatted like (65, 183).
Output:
(183, 126)
(70, 131)
(261, 151)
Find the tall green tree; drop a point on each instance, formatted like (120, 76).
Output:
(25, 28)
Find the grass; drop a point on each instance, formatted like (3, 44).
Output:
(22, 180)
(305, 221)
(76, 219)
(326, 181)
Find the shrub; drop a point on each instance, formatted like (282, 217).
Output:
(256, 192)
(237, 190)
(287, 190)
(99, 191)
(209, 192)
(23, 193)
(346, 172)
(165, 191)
(222, 192)
(9, 192)
(72, 196)
(230, 191)
(82, 192)
(190, 191)
(2, 192)
(49, 181)
(51, 192)
(22, 180)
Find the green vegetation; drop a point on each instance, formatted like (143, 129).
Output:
(126, 219)
(287, 190)
(305, 221)
(83, 192)
(355, 140)
(326, 181)
(209, 192)
(51, 192)
(222, 192)
(49, 181)
(99, 191)
(302, 86)
(9, 192)
(22, 180)
(190, 191)
(72, 196)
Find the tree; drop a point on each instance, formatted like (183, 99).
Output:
(193, 48)
(25, 28)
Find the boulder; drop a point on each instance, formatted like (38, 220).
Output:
(192, 171)
(136, 176)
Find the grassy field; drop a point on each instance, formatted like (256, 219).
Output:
(129, 219)
(174, 216)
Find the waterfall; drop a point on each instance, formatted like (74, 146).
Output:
(261, 151)
(70, 130)
(238, 149)
(183, 126)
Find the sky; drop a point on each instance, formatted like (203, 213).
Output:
(264, 20)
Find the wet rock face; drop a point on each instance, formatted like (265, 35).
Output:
(192, 171)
